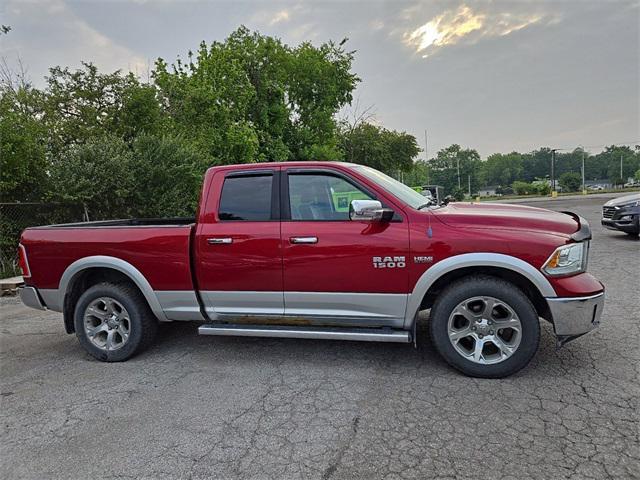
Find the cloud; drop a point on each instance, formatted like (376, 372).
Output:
(63, 38)
(464, 25)
(281, 16)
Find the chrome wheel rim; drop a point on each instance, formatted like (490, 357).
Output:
(484, 330)
(107, 324)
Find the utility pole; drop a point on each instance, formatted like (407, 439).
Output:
(458, 160)
(426, 154)
(621, 167)
(426, 147)
(469, 180)
(553, 173)
(583, 187)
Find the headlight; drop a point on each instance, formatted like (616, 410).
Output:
(567, 260)
(630, 204)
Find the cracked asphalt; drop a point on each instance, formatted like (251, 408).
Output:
(222, 407)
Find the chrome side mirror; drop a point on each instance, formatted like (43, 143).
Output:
(369, 211)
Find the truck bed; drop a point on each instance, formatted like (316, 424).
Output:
(158, 248)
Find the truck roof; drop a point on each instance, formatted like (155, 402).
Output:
(295, 163)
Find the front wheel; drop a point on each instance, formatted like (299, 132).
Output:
(113, 322)
(485, 327)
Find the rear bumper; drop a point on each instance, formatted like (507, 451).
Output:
(31, 298)
(575, 316)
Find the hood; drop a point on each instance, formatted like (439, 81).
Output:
(614, 202)
(508, 217)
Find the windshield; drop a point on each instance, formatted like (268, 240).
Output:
(399, 190)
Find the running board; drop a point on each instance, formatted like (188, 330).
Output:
(325, 333)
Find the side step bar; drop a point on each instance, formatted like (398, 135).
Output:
(326, 333)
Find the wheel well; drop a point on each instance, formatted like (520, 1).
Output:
(522, 282)
(85, 279)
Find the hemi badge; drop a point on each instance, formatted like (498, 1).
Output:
(428, 259)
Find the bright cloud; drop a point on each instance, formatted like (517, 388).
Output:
(281, 16)
(463, 24)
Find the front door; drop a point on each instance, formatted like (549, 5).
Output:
(338, 271)
(239, 267)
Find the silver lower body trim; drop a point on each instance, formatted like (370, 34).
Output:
(242, 303)
(30, 298)
(318, 308)
(51, 298)
(361, 334)
(373, 309)
(179, 304)
(576, 316)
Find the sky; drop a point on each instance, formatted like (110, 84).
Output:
(496, 76)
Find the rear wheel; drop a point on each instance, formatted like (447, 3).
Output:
(485, 327)
(113, 322)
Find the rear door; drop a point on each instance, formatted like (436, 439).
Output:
(238, 247)
(338, 271)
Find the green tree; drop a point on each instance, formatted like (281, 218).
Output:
(419, 174)
(570, 181)
(98, 173)
(444, 168)
(83, 104)
(23, 165)
(609, 162)
(253, 98)
(503, 169)
(386, 150)
(156, 163)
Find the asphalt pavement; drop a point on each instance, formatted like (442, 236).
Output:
(223, 407)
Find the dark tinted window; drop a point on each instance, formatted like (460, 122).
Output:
(246, 198)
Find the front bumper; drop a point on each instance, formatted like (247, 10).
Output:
(31, 298)
(631, 225)
(575, 316)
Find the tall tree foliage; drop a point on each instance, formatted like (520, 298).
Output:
(253, 98)
(453, 163)
(386, 150)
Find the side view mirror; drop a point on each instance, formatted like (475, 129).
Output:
(369, 211)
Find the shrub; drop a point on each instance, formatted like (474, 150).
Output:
(523, 188)
(98, 174)
(570, 181)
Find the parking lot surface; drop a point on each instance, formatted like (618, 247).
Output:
(223, 407)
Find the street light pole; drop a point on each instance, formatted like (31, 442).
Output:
(621, 167)
(426, 147)
(553, 173)
(458, 160)
(584, 190)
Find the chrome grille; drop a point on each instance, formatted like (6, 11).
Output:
(607, 212)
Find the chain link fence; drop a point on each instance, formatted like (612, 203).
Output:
(15, 217)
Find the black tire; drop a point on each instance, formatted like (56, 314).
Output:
(143, 325)
(479, 286)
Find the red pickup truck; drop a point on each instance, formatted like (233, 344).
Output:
(322, 250)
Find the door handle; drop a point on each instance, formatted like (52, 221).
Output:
(297, 240)
(216, 241)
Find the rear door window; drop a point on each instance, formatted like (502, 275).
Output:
(246, 198)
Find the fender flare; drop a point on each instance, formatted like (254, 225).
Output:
(508, 262)
(103, 261)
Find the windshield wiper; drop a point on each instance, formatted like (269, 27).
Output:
(424, 205)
